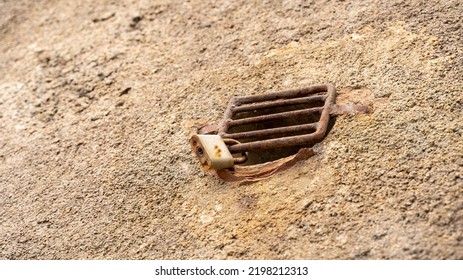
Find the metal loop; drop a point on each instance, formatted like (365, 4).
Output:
(244, 156)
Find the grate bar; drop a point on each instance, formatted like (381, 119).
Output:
(294, 93)
(282, 103)
(271, 117)
(272, 131)
(289, 141)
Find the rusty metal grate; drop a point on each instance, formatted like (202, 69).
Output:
(279, 120)
(253, 111)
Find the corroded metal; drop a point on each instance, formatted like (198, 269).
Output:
(309, 133)
(275, 120)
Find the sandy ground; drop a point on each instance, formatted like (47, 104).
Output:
(98, 100)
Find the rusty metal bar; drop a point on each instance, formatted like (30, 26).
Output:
(271, 117)
(271, 131)
(282, 103)
(287, 94)
(276, 143)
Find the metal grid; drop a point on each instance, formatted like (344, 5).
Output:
(277, 137)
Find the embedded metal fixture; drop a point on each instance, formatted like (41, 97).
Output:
(308, 133)
(269, 121)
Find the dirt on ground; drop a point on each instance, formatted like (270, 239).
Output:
(99, 98)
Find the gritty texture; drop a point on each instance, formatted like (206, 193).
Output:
(99, 98)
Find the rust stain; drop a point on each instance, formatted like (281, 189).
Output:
(218, 151)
